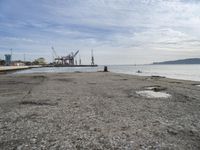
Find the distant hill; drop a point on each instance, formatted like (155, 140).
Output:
(182, 61)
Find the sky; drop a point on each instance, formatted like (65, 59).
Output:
(118, 31)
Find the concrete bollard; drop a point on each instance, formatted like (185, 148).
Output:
(105, 69)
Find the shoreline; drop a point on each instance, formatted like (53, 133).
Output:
(179, 74)
(159, 76)
(97, 110)
(8, 69)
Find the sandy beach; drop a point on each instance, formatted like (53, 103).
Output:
(97, 111)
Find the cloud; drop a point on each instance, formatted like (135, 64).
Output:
(111, 27)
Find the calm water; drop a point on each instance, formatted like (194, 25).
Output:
(187, 72)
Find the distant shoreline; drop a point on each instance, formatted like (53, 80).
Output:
(190, 61)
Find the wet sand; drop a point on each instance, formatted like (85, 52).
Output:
(97, 111)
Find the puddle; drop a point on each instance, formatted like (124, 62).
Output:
(153, 94)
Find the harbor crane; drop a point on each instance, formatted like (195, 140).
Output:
(55, 56)
(68, 60)
(54, 52)
(92, 58)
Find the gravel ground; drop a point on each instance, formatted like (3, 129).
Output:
(97, 111)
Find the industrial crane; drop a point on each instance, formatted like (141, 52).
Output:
(92, 58)
(54, 52)
(76, 54)
(70, 60)
(64, 60)
(72, 57)
(55, 56)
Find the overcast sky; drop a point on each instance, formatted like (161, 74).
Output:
(119, 31)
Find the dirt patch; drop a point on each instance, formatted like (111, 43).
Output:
(92, 83)
(39, 77)
(155, 88)
(11, 143)
(124, 79)
(198, 85)
(78, 72)
(32, 116)
(10, 82)
(176, 82)
(66, 80)
(38, 103)
(157, 77)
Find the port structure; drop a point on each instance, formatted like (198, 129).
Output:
(92, 58)
(8, 58)
(68, 60)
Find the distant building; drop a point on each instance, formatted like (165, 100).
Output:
(28, 63)
(2, 62)
(18, 63)
(8, 58)
(39, 61)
